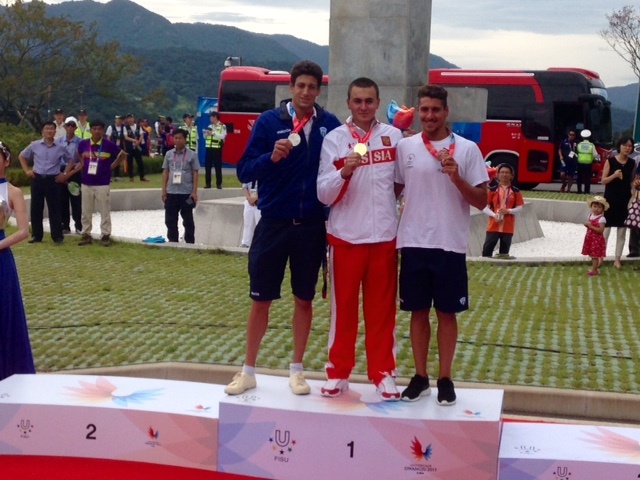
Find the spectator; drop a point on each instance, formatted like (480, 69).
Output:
(586, 156)
(180, 188)
(58, 117)
(47, 157)
(504, 201)
(84, 128)
(133, 144)
(97, 157)
(251, 214)
(595, 244)
(115, 133)
(356, 178)
(214, 135)
(283, 156)
(192, 132)
(634, 233)
(148, 134)
(15, 348)
(617, 178)
(568, 159)
(69, 190)
(167, 137)
(441, 174)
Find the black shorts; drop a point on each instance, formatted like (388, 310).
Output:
(274, 242)
(432, 276)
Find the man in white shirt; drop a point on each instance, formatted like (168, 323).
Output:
(441, 174)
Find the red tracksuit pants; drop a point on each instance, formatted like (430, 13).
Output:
(375, 267)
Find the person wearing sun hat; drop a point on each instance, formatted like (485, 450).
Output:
(595, 244)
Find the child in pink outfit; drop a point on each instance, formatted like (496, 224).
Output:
(595, 244)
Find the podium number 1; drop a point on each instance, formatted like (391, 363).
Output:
(351, 445)
(92, 429)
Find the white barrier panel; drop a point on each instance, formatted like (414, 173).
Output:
(270, 433)
(531, 451)
(120, 418)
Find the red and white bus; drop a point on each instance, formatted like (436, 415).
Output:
(244, 93)
(530, 112)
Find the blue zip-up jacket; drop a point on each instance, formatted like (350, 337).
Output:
(286, 189)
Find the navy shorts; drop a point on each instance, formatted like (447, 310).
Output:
(432, 276)
(302, 243)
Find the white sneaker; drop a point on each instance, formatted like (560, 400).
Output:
(387, 389)
(334, 387)
(241, 383)
(298, 384)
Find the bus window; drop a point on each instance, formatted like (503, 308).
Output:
(537, 122)
(507, 102)
(247, 97)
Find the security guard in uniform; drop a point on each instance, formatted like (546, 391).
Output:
(192, 132)
(586, 155)
(214, 135)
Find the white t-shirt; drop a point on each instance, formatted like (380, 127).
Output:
(435, 213)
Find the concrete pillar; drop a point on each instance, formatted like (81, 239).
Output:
(386, 40)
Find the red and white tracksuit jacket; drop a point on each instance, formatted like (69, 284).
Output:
(362, 228)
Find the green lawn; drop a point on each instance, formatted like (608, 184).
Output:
(542, 325)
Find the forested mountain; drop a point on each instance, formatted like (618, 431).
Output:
(183, 59)
(623, 101)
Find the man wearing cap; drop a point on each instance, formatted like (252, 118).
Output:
(47, 157)
(586, 155)
(84, 129)
(96, 157)
(214, 135)
(133, 144)
(192, 132)
(58, 116)
(69, 190)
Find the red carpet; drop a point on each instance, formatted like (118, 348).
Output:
(24, 467)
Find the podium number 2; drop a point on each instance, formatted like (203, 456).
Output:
(92, 429)
(351, 445)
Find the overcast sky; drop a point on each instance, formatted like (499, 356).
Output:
(469, 33)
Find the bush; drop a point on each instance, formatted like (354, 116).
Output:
(153, 164)
(17, 177)
(16, 138)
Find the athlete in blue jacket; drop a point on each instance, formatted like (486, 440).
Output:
(283, 155)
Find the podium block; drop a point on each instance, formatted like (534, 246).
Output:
(142, 420)
(271, 433)
(530, 451)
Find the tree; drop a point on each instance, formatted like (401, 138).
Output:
(46, 62)
(623, 35)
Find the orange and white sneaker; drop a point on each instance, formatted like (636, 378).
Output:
(387, 389)
(334, 387)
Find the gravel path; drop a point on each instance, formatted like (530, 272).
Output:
(561, 240)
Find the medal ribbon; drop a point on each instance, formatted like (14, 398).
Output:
(432, 149)
(360, 139)
(299, 124)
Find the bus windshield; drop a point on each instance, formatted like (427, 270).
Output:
(599, 121)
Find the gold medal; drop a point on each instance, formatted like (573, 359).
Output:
(295, 139)
(360, 149)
